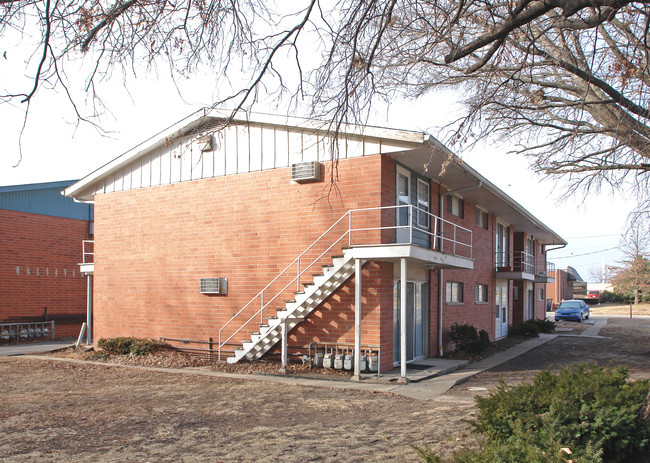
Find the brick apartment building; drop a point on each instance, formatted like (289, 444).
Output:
(226, 235)
(41, 234)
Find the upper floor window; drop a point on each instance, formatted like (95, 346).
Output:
(455, 206)
(481, 218)
(454, 292)
(423, 204)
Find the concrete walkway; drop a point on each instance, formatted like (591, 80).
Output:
(431, 379)
(9, 350)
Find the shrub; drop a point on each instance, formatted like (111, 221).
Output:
(483, 340)
(467, 339)
(532, 328)
(463, 336)
(593, 411)
(130, 345)
(528, 329)
(582, 408)
(545, 326)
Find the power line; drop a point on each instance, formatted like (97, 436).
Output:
(585, 254)
(591, 236)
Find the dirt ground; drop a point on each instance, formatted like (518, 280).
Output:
(55, 411)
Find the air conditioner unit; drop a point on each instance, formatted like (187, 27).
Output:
(214, 286)
(305, 171)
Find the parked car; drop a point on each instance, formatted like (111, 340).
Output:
(593, 297)
(577, 310)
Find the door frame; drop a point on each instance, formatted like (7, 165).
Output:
(501, 292)
(421, 297)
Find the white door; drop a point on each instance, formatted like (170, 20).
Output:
(501, 321)
(416, 316)
(403, 188)
(530, 302)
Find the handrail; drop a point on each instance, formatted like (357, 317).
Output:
(433, 220)
(87, 253)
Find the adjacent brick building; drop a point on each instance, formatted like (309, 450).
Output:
(41, 234)
(253, 205)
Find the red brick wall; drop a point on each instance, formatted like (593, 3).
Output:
(480, 315)
(39, 257)
(333, 321)
(154, 244)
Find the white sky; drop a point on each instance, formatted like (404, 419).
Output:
(55, 148)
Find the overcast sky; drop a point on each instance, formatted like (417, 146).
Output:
(55, 147)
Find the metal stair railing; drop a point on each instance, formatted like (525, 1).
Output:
(347, 233)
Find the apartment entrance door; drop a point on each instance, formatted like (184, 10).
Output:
(416, 320)
(501, 320)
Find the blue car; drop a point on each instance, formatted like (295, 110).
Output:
(576, 310)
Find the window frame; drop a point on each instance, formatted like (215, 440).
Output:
(481, 293)
(423, 205)
(481, 218)
(453, 199)
(454, 292)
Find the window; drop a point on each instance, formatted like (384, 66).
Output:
(454, 292)
(481, 218)
(455, 206)
(481, 293)
(423, 204)
(540, 294)
(515, 293)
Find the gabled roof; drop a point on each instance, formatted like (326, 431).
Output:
(416, 150)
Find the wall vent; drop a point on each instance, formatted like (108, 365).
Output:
(205, 143)
(305, 171)
(214, 286)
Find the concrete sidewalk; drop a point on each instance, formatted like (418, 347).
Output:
(10, 350)
(429, 379)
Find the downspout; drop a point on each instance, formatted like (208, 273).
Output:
(441, 209)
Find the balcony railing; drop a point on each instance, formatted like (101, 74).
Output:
(88, 251)
(523, 262)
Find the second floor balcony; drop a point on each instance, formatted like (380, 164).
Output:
(524, 266)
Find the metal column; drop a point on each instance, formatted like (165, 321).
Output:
(402, 317)
(89, 309)
(357, 319)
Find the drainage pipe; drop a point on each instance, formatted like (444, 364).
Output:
(441, 209)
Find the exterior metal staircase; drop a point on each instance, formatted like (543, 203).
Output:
(368, 227)
(322, 286)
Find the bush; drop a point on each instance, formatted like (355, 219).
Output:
(593, 411)
(545, 326)
(532, 328)
(582, 408)
(467, 339)
(130, 345)
(527, 329)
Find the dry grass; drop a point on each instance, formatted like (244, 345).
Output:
(611, 308)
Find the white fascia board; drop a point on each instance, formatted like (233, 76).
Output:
(322, 126)
(205, 114)
(494, 189)
(152, 142)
